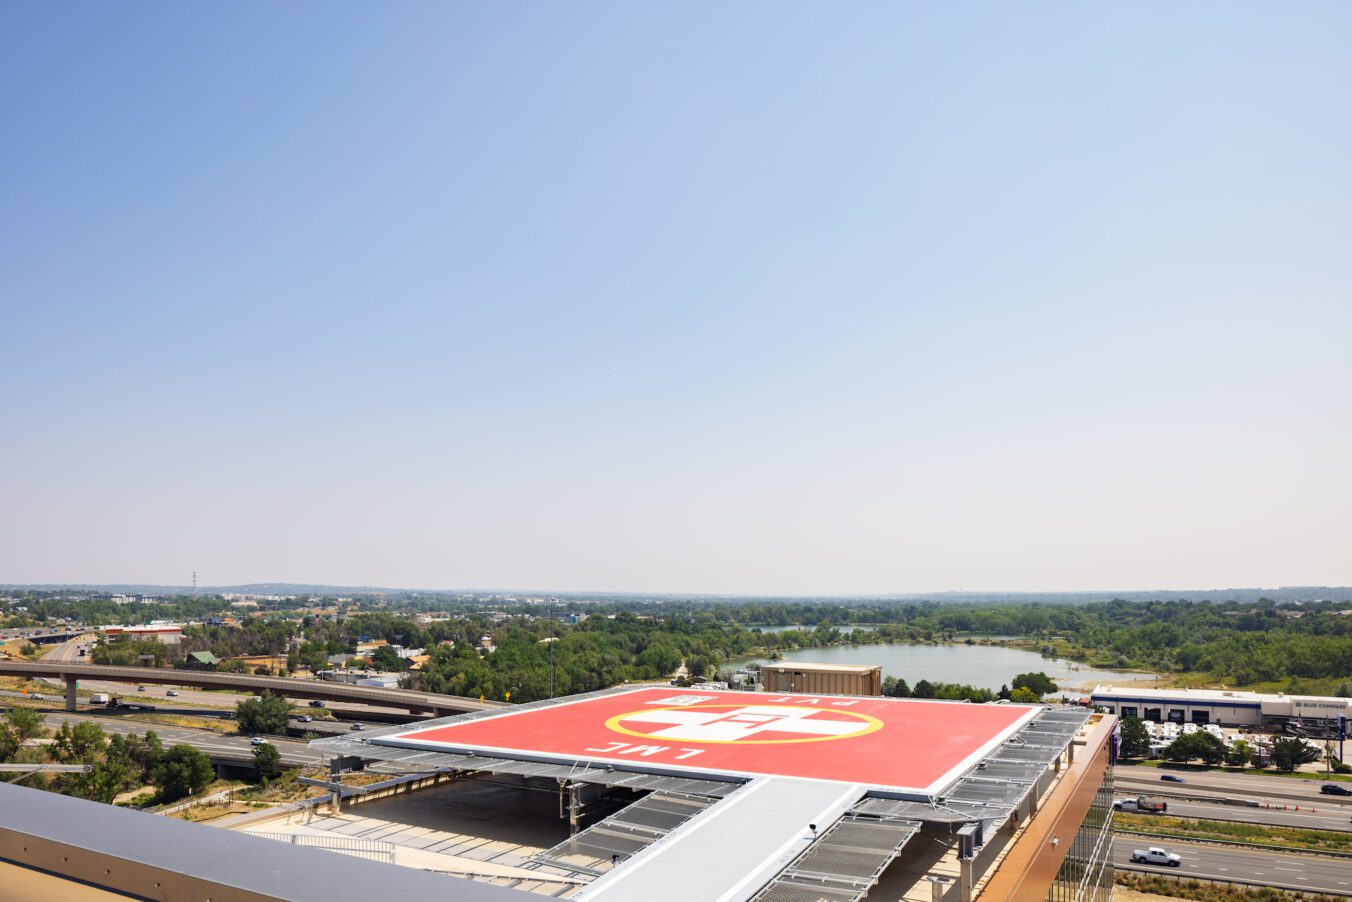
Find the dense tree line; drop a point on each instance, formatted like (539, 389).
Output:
(1230, 642)
(117, 763)
(1029, 688)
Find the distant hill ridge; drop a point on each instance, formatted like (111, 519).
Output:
(1284, 594)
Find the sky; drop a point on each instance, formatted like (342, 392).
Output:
(757, 298)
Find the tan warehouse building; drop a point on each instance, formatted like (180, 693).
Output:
(823, 679)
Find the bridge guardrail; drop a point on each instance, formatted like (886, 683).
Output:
(395, 698)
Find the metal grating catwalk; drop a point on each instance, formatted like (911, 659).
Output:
(626, 832)
(844, 863)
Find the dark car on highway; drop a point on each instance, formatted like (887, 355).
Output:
(1171, 778)
(1333, 789)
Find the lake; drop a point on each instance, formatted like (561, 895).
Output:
(983, 666)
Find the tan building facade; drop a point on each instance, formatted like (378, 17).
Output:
(823, 679)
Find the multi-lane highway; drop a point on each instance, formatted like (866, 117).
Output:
(1282, 870)
(69, 650)
(1202, 785)
(1283, 801)
(1320, 817)
(293, 752)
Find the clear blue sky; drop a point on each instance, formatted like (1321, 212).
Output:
(757, 298)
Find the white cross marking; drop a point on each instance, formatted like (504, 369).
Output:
(741, 723)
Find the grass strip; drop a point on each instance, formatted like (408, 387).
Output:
(1294, 838)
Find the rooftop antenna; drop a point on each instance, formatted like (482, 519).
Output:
(194, 584)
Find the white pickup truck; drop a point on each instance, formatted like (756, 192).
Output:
(1155, 855)
(1142, 804)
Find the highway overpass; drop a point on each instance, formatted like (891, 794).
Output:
(413, 702)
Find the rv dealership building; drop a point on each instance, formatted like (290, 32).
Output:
(1316, 715)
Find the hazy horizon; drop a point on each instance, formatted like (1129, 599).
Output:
(1307, 593)
(750, 300)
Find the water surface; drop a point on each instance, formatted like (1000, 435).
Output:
(983, 666)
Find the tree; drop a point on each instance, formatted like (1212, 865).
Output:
(387, 659)
(923, 689)
(26, 723)
(1135, 739)
(19, 726)
(183, 771)
(1038, 682)
(314, 655)
(267, 714)
(78, 743)
(267, 761)
(101, 784)
(1004, 691)
(1024, 696)
(1239, 755)
(903, 690)
(1196, 745)
(139, 754)
(1289, 753)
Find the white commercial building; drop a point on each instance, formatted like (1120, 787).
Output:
(168, 633)
(1273, 712)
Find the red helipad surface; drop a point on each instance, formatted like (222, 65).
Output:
(886, 742)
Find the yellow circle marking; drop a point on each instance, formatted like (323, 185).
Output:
(869, 724)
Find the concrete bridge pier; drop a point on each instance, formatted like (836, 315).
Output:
(71, 683)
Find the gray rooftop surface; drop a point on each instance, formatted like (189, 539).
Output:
(224, 857)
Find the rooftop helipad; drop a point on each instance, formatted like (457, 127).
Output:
(903, 744)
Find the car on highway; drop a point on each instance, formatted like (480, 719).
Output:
(1172, 778)
(317, 703)
(258, 740)
(305, 718)
(1156, 855)
(140, 689)
(358, 726)
(172, 693)
(1333, 789)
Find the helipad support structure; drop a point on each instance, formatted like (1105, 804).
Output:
(778, 797)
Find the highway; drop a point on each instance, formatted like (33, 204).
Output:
(1320, 817)
(294, 752)
(69, 650)
(1216, 784)
(1282, 870)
